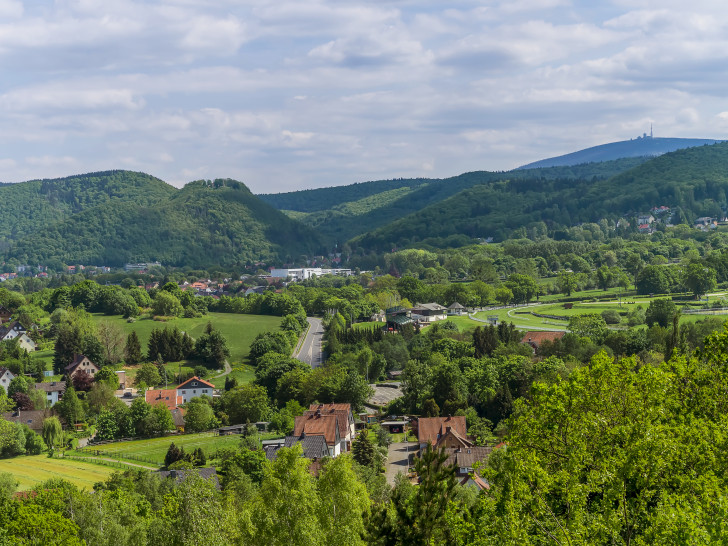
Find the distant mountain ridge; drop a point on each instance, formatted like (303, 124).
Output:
(119, 216)
(645, 146)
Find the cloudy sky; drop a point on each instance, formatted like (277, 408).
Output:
(288, 94)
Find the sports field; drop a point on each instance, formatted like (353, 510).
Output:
(32, 469)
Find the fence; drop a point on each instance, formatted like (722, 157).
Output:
(118, 455)
(114, 464)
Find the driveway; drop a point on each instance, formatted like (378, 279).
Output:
(397, 459)
(311, 351)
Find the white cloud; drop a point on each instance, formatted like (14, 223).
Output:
(290, 93)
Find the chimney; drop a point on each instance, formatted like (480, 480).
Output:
(447, 429)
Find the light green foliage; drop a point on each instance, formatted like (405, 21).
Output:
(52, 432)
(166, 304)
(344, 502)
(698, 278)
(286, 510)
(245, 403)
(199, 416)
(662, 484)
(590, 325)
(148, 374)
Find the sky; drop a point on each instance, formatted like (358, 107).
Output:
(292, 94)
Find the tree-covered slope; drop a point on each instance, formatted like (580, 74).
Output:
(640, 147)
(693, 181)
(382, 202)
(205, 223)
(29, 207)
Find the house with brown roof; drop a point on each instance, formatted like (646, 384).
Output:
(5, 314)
(53, 390)
(81, 364)
(32, 418)
(347, 425)
(431, 429)
(194, 387)
(534, 339)
(320, 424)
(168, 397)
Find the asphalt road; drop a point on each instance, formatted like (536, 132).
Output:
(398, 459)
(311, 349)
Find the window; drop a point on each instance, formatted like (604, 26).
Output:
(194, 392)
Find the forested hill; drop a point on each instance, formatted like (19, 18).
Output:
(204, 224)
(693, 181)
(28, 207)
(343, 212)
(640, 147)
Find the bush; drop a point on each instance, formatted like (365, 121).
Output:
(611, 316)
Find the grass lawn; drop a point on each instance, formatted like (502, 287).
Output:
(239, 330)
(154, 449)
(33, 469)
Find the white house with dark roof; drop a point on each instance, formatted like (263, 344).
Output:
(6, 376)
(53, 390)
(194, 387)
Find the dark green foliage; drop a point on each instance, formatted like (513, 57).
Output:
(31, 207)
(211, 347)
(173, 455)
(133, 349)
(661, 312)
(362, 449)
(205, 223)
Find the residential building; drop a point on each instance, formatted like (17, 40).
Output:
(318, 424)
(534, 339)
(6, 376)
(347, 426)
(54, 391)
(5, 314)
(32, 418)
(168, 397)
(80, 364)
(431, 429)
(194, 387)
(26, 342)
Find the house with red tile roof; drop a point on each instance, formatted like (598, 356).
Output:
(534, 339)
(347, 428)
(168, 397)
(431, 429)
(320, 424)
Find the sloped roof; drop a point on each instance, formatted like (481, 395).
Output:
(32, 418)
(313, 446)
(456, 305)
(464, 442)
(536, 338)
(51, 386)
(167, 396)
(178, 416)
(467, 457)
(195, 378)
(428, 428)
(78, 359)
(343, 411)
(430, 306)
(179, 475)
(318, 425)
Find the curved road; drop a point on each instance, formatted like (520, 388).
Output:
(311, 351)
